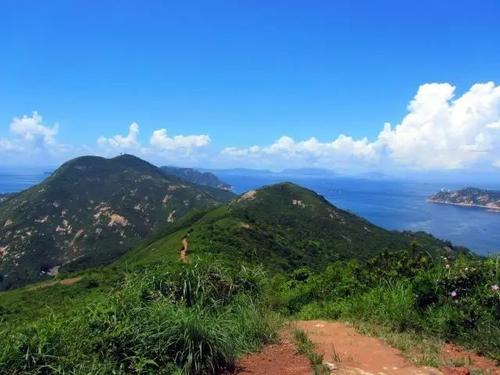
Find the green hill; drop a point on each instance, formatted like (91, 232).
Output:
(284, 227)
(89, 212)
(281, 250)
(196, 177)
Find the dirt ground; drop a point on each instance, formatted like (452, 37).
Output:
(354, 353)
(276, 359)
(357, 354)
(69, 281)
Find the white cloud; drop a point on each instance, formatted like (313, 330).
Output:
(120, 142)
(287, 147)
(161, 148)
(162, 141)
(439, 132)
(31, 129)
(286, 152)
(30, 139)
(6, 145)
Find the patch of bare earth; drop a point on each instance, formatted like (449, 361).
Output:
(354, 353)
(69, 281)
(465, 361)
(281, 358)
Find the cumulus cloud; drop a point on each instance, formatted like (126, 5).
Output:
(120, 142)
(31, 129)
(30, 137)
(438, 132)
(6, 145)
(286, 151)
(161, 145)
(162, 141)
(441, 132)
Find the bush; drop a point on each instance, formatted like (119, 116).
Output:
(194, 319)
(454, 300)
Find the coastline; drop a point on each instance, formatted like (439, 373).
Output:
(466, 205)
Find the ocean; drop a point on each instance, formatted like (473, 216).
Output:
(13, 180)
(395, 205)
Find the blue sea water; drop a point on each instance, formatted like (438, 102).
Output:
(399, 205)
(395, 205)
(13, 180)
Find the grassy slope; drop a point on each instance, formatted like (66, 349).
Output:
(254, 230)
(267, 229)
(67, 219)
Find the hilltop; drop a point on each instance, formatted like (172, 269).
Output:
(469, 197)
(196, 177)
(284, 227)
(89, 212)
(281, 249)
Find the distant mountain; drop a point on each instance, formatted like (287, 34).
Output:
(285, 226)
(312, 172)
(469, 197)
(88, 212)
(240, 171)
(196, 177)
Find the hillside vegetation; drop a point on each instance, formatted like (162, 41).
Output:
(89, 212)
(285, 226)
(279, 252)
(196, 177)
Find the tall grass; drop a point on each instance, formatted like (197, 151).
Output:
(447, 299)
(192, 320)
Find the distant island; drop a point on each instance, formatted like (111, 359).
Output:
(197, 177)
(469, 197)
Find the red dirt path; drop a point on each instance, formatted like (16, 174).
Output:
(275, 359)
(353, 354)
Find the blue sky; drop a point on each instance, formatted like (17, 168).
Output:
(245, 74)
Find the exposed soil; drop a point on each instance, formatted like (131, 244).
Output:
(183, 250)
(353, 353)
(454, 354)
(276, 359)
(69, 281)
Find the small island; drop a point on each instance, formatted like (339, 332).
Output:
(469, 197)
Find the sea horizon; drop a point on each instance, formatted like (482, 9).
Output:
(393, 204)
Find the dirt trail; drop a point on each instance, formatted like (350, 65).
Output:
(183, 250)
(279, 359)
(352, 354)
(69, 281)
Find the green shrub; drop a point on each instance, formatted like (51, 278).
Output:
(193, 319)
(455, 300)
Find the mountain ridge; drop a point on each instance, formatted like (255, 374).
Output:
(89, 212)
(286, 226)
(197, 177)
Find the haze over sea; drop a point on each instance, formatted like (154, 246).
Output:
(398, 205)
